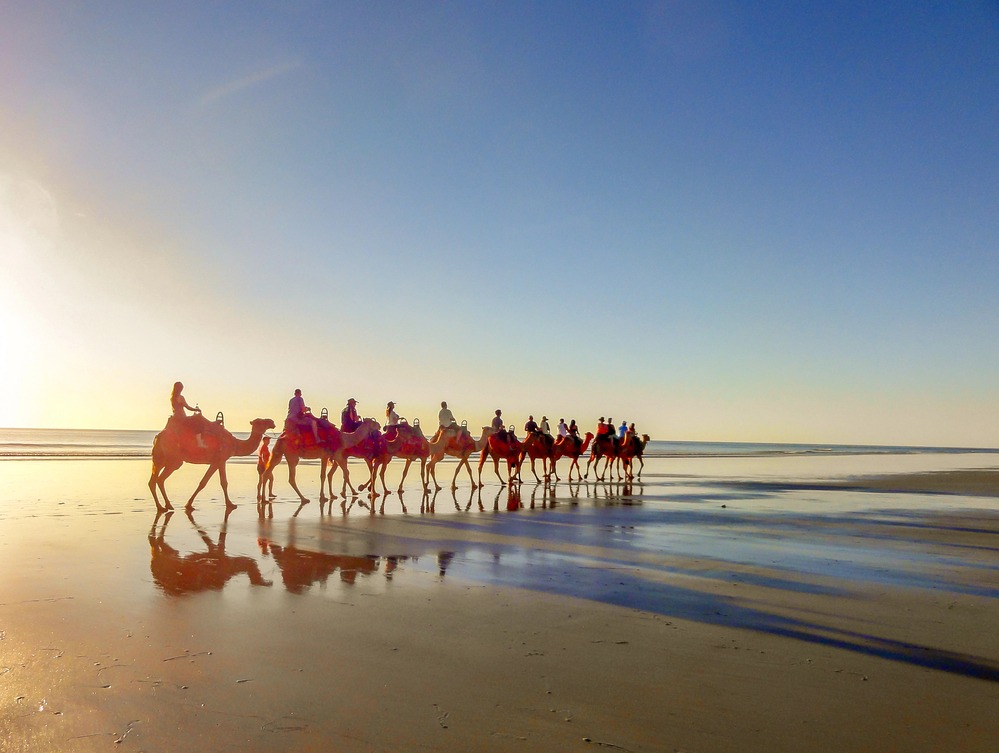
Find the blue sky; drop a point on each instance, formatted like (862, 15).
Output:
(737, 221)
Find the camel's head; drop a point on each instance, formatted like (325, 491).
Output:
(262, 424)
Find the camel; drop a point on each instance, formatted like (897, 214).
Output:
(177, 444)
(568, 448)
(408, 443)
(461, 446)
(604, 446)
(503, 445)
(631, 449)
(333, 448)
(370, 450)
(538, 446)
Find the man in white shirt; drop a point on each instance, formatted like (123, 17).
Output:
(445, 417)
(299, 415)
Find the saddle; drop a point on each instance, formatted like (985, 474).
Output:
(300, 438)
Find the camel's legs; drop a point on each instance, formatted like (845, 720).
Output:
(405, 470)
(346, 479)
(462, 462)
(161, 478)
(292, 472)
(224, 480)
(381, 467)
(204, 481)
(535, 471)
(496, 469)
(324, 464)
(432, 473)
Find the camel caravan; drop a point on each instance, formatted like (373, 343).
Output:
(195, 439)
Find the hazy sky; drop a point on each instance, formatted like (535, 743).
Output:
(721, 220)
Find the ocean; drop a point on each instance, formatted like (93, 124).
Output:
(109, 443)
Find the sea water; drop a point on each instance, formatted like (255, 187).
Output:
(125, 443)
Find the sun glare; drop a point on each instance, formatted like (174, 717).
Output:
(28, 222)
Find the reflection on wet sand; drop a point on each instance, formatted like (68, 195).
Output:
(210, 570)
(672, 554)
(302, 567)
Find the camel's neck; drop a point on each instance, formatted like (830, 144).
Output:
(247, 446)
(354, 438)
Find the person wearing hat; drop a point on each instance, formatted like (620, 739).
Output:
(391, 417)
(622, 430)
(349, 420)
(602, 428)
(544, 428)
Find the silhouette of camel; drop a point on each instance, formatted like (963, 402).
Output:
(177, 444)
(460, 445)
(538, 447)
(604, 446)
(568, 447)
(198, 571)
(631, 449)
(502, 445)
(408, 443)
(333, 447)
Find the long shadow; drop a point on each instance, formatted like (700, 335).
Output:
(628, 590)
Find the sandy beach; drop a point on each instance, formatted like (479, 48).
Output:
(722, 605)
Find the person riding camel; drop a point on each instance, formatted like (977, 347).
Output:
(497, 424)
(531, 427)
(391, 420)
(447, 426)
(445, 418)
(349, 420)
(178, 405)
(574, 433)
(300, 415)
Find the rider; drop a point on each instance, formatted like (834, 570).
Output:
(544, 428)
(349, 420)
(622, 430)
(391, 417)
(299, 415)
(531, 427)
(445, 418)
(497, 423)
(178, 404)
(574, 432)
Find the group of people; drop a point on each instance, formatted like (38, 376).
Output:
(301, 419)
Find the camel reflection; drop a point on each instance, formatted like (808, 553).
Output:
(179, 575)
(301, 568)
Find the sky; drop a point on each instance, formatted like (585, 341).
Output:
(729, 221)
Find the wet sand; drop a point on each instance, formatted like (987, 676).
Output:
(692, 611)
